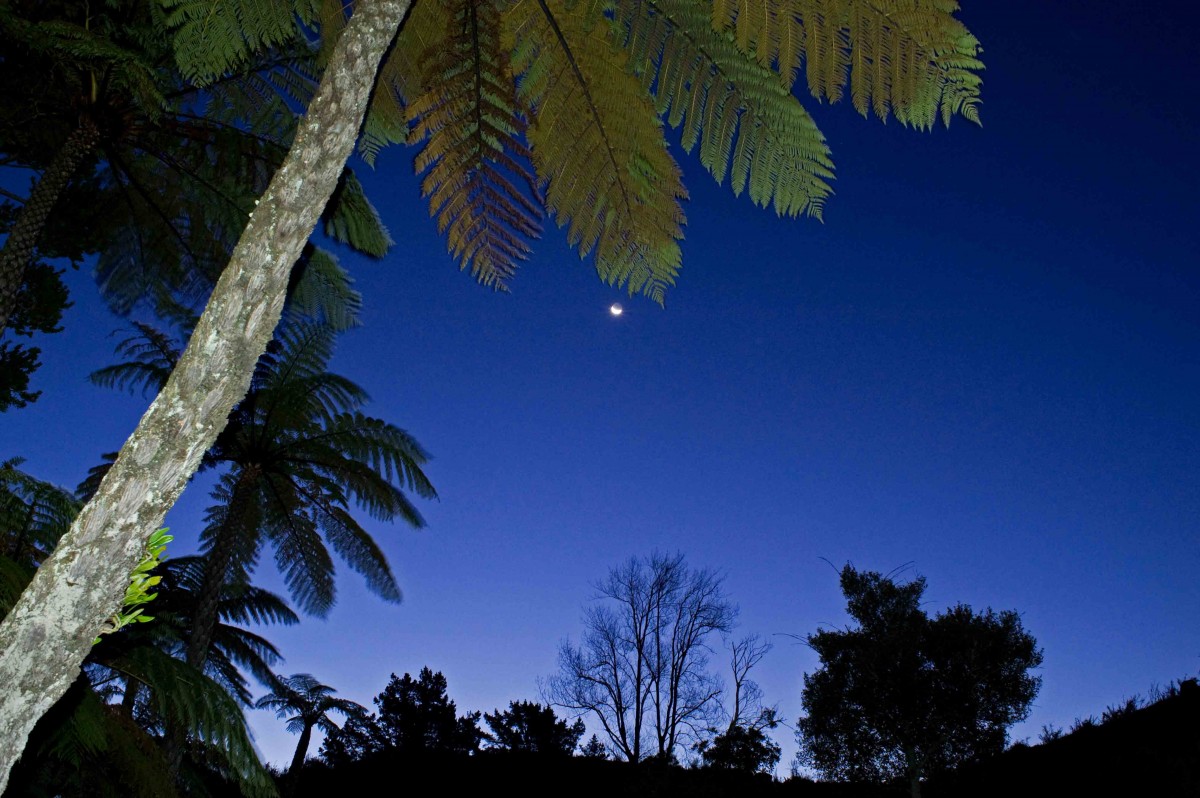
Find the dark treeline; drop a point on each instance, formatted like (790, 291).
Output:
(1149, 750)
(537, 775)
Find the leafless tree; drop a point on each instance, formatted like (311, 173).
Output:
(747, 709)
(641, 668)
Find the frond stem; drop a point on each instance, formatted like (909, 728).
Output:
(583, 85)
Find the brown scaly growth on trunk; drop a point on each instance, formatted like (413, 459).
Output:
(19, 246)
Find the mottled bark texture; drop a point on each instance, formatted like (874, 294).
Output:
(18, 247)
(45, 638)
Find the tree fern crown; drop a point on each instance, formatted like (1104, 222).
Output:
(521, 106)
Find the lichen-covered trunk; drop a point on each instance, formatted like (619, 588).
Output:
(45, 638)
(18, 247)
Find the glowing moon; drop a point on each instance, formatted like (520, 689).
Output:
(615, 309)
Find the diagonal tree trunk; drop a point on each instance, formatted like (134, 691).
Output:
(45, 638)
(18, 247)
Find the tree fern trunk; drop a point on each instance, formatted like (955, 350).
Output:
(48, 633)
(216, 568)
(206, 616)
(129, 700)
(292, 778)
(18, 247)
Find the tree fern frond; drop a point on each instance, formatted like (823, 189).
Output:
(356, 547)
(159, 254)
(249, 530)
(264, 100)
(351, 219)
(911, 59)
(34, 514)
(222, 669)
(14, 578)
(150, 355)
(246, 650)
(293, 390)
(74, 46)
(323, 291)
(480, 187)
(300, 556)
(747, 125)
(358, 443)
(198, 704)
(384, 124)
(84, 733)
(399, 76)
(598, 146)
(250, 604)
(215, 37)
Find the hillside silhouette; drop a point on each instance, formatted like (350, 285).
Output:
(1152, 750)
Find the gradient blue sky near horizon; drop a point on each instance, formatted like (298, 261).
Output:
(985, 363)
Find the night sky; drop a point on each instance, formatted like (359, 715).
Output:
(984, 366)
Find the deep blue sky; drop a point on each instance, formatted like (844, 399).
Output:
(984, 362)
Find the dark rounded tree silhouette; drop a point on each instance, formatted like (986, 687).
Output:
(903, 695)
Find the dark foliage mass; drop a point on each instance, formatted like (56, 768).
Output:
(1154, 750)
(414, 717)
(526, 726)
(902, 695)
(40, 303)
(743, 748)
(535, 775)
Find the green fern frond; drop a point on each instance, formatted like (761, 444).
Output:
(254, 605)
(598, 146)
(397, 82)
(33, 515)
(216, 37)
(167, 249)
(187, 697)
(351, 219)
(477, 178)
(150, 356)
(748, 127)
(84, 733)
(265, 99)
(72, 46)
(300, 556)
(911, 59)
(13, 580)
(323, 291)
